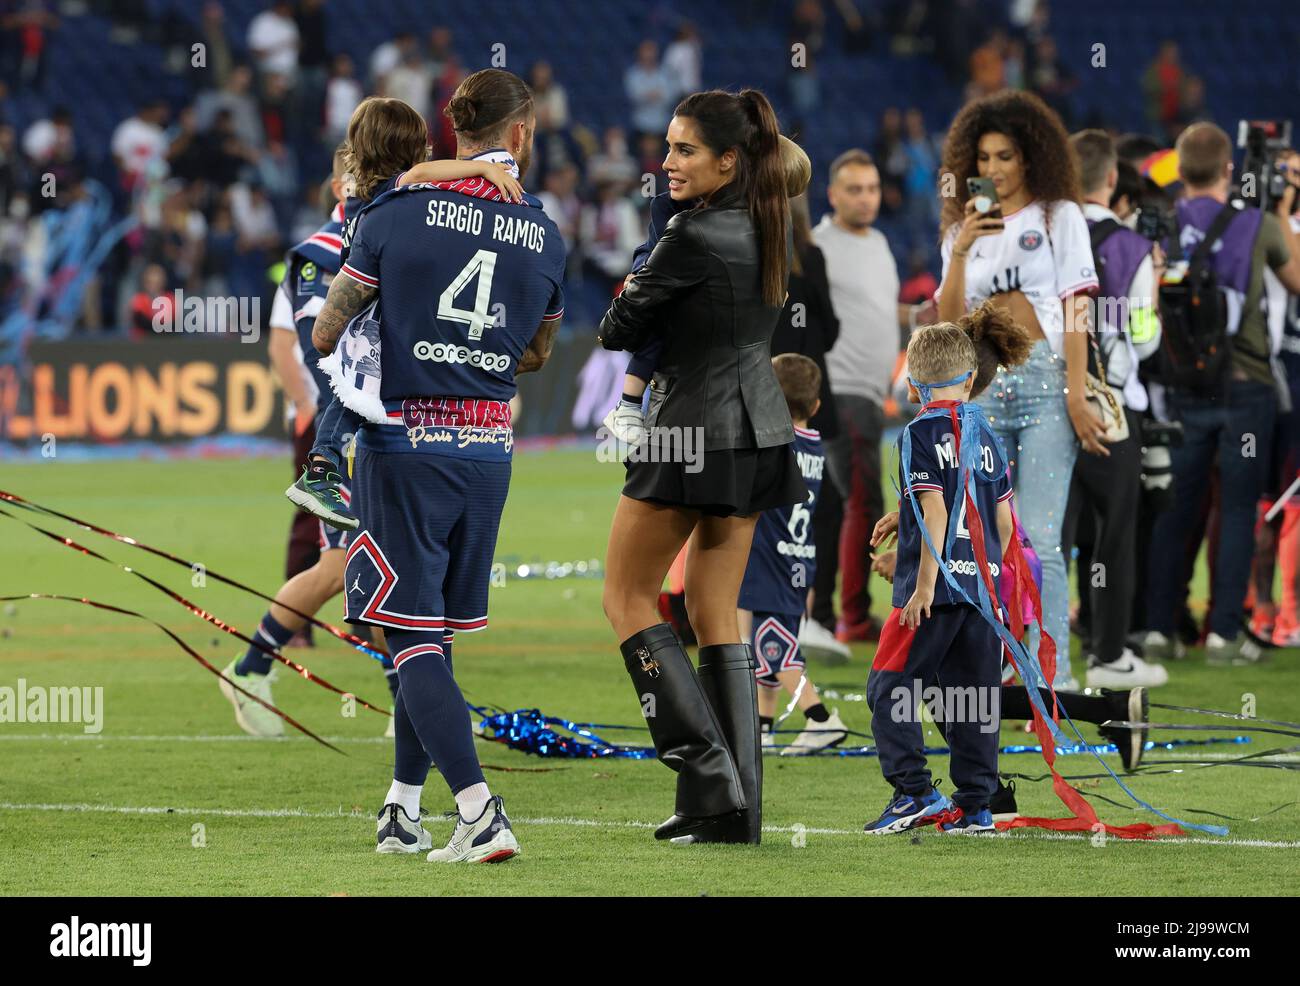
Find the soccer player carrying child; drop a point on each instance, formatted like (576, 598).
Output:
(386, 149)
(956, 513)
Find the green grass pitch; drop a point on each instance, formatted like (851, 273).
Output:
(172, 799)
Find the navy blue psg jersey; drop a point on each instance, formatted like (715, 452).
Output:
(464, 284)
(310, 266)
(934, 469)
(783, 558)
(352, 212)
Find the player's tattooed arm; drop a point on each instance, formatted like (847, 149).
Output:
(347, 297)
(539, 350)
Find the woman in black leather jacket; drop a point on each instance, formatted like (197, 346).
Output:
(717, 452)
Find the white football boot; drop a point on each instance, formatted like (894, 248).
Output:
(254, 719)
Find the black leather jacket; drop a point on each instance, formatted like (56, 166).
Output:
(701, 291)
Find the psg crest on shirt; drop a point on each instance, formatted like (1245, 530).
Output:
(1030, 239)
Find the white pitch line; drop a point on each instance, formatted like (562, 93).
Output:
(241, 738)
(598, 823)
(1151, 757)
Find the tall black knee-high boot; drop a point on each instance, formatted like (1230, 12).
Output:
(687, 736)
(727, 674)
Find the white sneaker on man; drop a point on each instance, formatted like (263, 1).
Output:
(816, 641)
(767, 741)
(1129, 671)
(254, 719)
(486, 839)
(1239, 651)
(399, 832)
(818, 736)
(626, 423)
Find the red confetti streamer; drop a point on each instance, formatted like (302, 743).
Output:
(343, 635)
(181, 644)
(299, 669)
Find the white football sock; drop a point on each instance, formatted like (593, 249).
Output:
(471, 801)
(406, 795)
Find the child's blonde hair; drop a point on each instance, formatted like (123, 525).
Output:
(940, 352)
(796, 167)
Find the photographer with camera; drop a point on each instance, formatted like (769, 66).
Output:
(1107, 489)
(1215, 360)
(1277, 532)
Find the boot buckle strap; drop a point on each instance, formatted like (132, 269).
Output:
(648, 664)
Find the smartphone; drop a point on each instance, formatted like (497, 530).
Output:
(983, 193)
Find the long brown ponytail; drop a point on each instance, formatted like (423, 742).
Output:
(747, 123)
(767, 196)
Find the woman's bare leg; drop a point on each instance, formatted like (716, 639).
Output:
(643, 541)
(715, 567)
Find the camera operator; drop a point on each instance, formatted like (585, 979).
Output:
(1107, 489)
(1227, 416)
(1277, 542)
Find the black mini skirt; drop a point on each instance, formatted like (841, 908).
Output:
(723, 483)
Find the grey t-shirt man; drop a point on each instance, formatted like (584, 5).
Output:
(863, 278)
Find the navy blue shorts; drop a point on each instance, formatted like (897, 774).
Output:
(422, 558)
(775, 640)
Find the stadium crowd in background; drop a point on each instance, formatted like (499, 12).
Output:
(211, 190)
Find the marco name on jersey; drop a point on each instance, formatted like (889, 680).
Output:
(946, 456)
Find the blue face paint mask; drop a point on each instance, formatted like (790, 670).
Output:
(924, 388)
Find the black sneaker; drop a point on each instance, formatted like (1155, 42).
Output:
(321, 494)
(1003, 802)
(1128, 706)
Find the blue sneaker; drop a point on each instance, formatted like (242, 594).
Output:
(980, 823)
(907, 811)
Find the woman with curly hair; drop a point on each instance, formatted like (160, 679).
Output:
(1030, 252)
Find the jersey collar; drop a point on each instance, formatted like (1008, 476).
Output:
(501, 156)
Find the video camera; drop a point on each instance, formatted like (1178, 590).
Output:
(1155, 221)
(1264, 176)
(1158, 437)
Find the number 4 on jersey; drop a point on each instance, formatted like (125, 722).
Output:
(481, 265)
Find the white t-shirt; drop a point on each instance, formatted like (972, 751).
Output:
(138, 143)
(276, 39)
(1045, 268)
(40, 139)
(283, 320)
(863, 277)
(342, 96)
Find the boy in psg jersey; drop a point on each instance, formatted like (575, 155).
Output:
(782, 560)
(935, 633)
